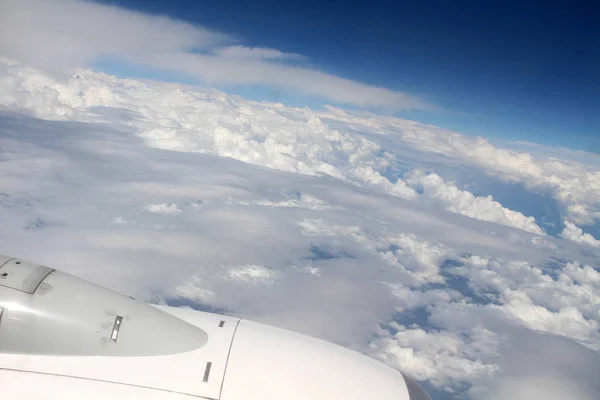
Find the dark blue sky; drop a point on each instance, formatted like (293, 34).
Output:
(526, 70)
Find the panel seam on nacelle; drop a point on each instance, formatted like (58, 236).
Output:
(227, 359)
(107, 381)
(43, 279)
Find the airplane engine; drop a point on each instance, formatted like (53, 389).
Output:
(65, 338)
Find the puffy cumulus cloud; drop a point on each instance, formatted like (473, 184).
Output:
(573, 178)
(507, 307)
(399, 188)
(567, 303)
(64, 34)
(465, 203)
(479, 347)
(438, 356)
(295, 140)
(574, 233)
(567, 321)
(184, 119)
(259, 53)
(582, 274)
(418, 260)
(576, 186)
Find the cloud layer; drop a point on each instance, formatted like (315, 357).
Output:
(356, 228)
(64, 34)
(291, 140)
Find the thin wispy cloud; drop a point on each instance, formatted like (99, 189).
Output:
(61, 35)
(224, 70)
(256, 53)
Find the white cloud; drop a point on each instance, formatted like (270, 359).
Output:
(399, 188)
(302, 201)
(293, 218)
(482, 349)
(218, 70)
(256, 53)
(252, 273)
(64, 34)
(567, 305)
(418, 260)
(163, 208)
(436, 356)
(571, 177)
(295, 140)
(465, 203)
(572, 232)
(575, 186)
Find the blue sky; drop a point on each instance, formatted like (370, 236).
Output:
(515, 70)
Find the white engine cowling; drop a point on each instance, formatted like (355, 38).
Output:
(64, 338)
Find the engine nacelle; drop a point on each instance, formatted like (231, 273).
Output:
(64, 338)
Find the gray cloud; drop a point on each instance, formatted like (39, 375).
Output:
(535, 366)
